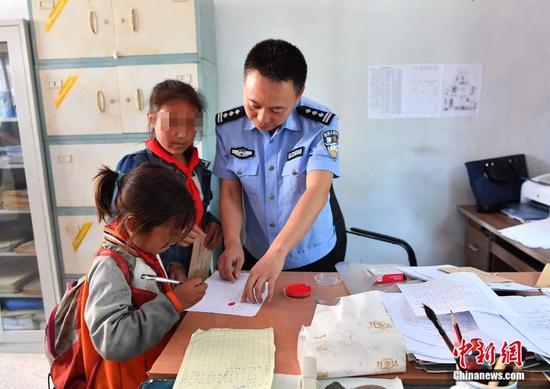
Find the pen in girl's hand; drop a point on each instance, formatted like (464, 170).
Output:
(151, 277)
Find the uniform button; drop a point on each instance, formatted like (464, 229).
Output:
(294, 173)
(271, 224)
(271, 197)
(272, 167)
(239, 172)
(271, 141)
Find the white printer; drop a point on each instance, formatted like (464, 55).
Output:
(537, 189)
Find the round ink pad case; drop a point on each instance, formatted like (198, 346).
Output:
(297, 290)
(327, 279)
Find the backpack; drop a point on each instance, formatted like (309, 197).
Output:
(62, 341)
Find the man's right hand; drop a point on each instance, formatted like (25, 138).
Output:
(230, 262)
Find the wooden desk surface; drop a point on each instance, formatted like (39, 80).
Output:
(286, 316)
(496, 221)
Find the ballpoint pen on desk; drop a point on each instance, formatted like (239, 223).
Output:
(150, 277)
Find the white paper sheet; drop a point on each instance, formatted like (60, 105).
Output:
(511, 287)
(424, 273)
(533, 320)
(424, 90)
(535, 234)
(458, 292)
(499, 330)
(225, 297)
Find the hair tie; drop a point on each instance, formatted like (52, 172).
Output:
(119, 177)
(116, 191)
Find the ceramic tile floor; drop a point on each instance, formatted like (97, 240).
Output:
(23, 371)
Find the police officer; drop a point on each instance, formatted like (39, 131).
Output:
(276, 155)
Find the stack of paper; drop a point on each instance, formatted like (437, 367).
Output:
(535, 234)
(479, 311)
(225, 358)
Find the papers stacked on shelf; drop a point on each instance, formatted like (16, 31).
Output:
(16, 273)
(15, 200)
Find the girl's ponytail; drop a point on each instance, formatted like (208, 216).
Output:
(105, 183)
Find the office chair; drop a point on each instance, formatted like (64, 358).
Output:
(341, 233)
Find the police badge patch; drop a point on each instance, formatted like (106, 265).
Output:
(295, 153)
(330, 141)
(242, 152)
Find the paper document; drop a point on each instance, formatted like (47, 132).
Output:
(533, 320)
(225, 358)
(535, 234)
(421, 336)
(424, 273)
(355, 337)
(225, 297)
(199, 265)
(499, 330)
(458, 292)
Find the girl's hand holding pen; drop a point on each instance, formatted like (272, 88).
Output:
(190, 292)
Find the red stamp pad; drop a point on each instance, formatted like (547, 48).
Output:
(297, 290)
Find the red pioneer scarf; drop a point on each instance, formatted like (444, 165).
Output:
(154, 146)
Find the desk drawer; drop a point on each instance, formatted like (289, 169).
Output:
(502, 255)
(476, 248)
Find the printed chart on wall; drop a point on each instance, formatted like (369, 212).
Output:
(424, 91)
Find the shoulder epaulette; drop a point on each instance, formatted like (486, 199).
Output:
(229, 115)
(315, 114)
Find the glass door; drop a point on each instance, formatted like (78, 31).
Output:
(27, 281)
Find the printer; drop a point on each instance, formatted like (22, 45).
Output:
(537, 190)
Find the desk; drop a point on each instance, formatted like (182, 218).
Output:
(286, 316)
(487, 249)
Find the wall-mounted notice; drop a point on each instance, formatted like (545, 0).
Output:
(424, 90)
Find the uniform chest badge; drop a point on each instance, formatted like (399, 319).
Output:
(242, 152)
(330, 141)
(295, 153)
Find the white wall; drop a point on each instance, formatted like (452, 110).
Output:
(14, 9)
(406, 176)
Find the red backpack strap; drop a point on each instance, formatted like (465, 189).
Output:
(119, 259)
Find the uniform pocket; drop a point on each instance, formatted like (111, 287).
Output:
(247, 171)
(294, 176)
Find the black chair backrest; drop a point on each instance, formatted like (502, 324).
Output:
(339, 225)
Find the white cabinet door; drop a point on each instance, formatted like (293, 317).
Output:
(80, 237)
(136, 83)
(81, 101)
(73, 28)
(146, 27)
(74, 167)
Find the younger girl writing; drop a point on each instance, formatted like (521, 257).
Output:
(128, 320)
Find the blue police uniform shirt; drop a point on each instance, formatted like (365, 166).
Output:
(272, 171)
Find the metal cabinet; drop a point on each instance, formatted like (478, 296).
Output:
(104, 28)
(104, 100)
(96, 62)
(29, 282)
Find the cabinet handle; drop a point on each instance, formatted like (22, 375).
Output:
(100, 100)
(139, 99)
(92, 19)
(473, 248)
(133, 20)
